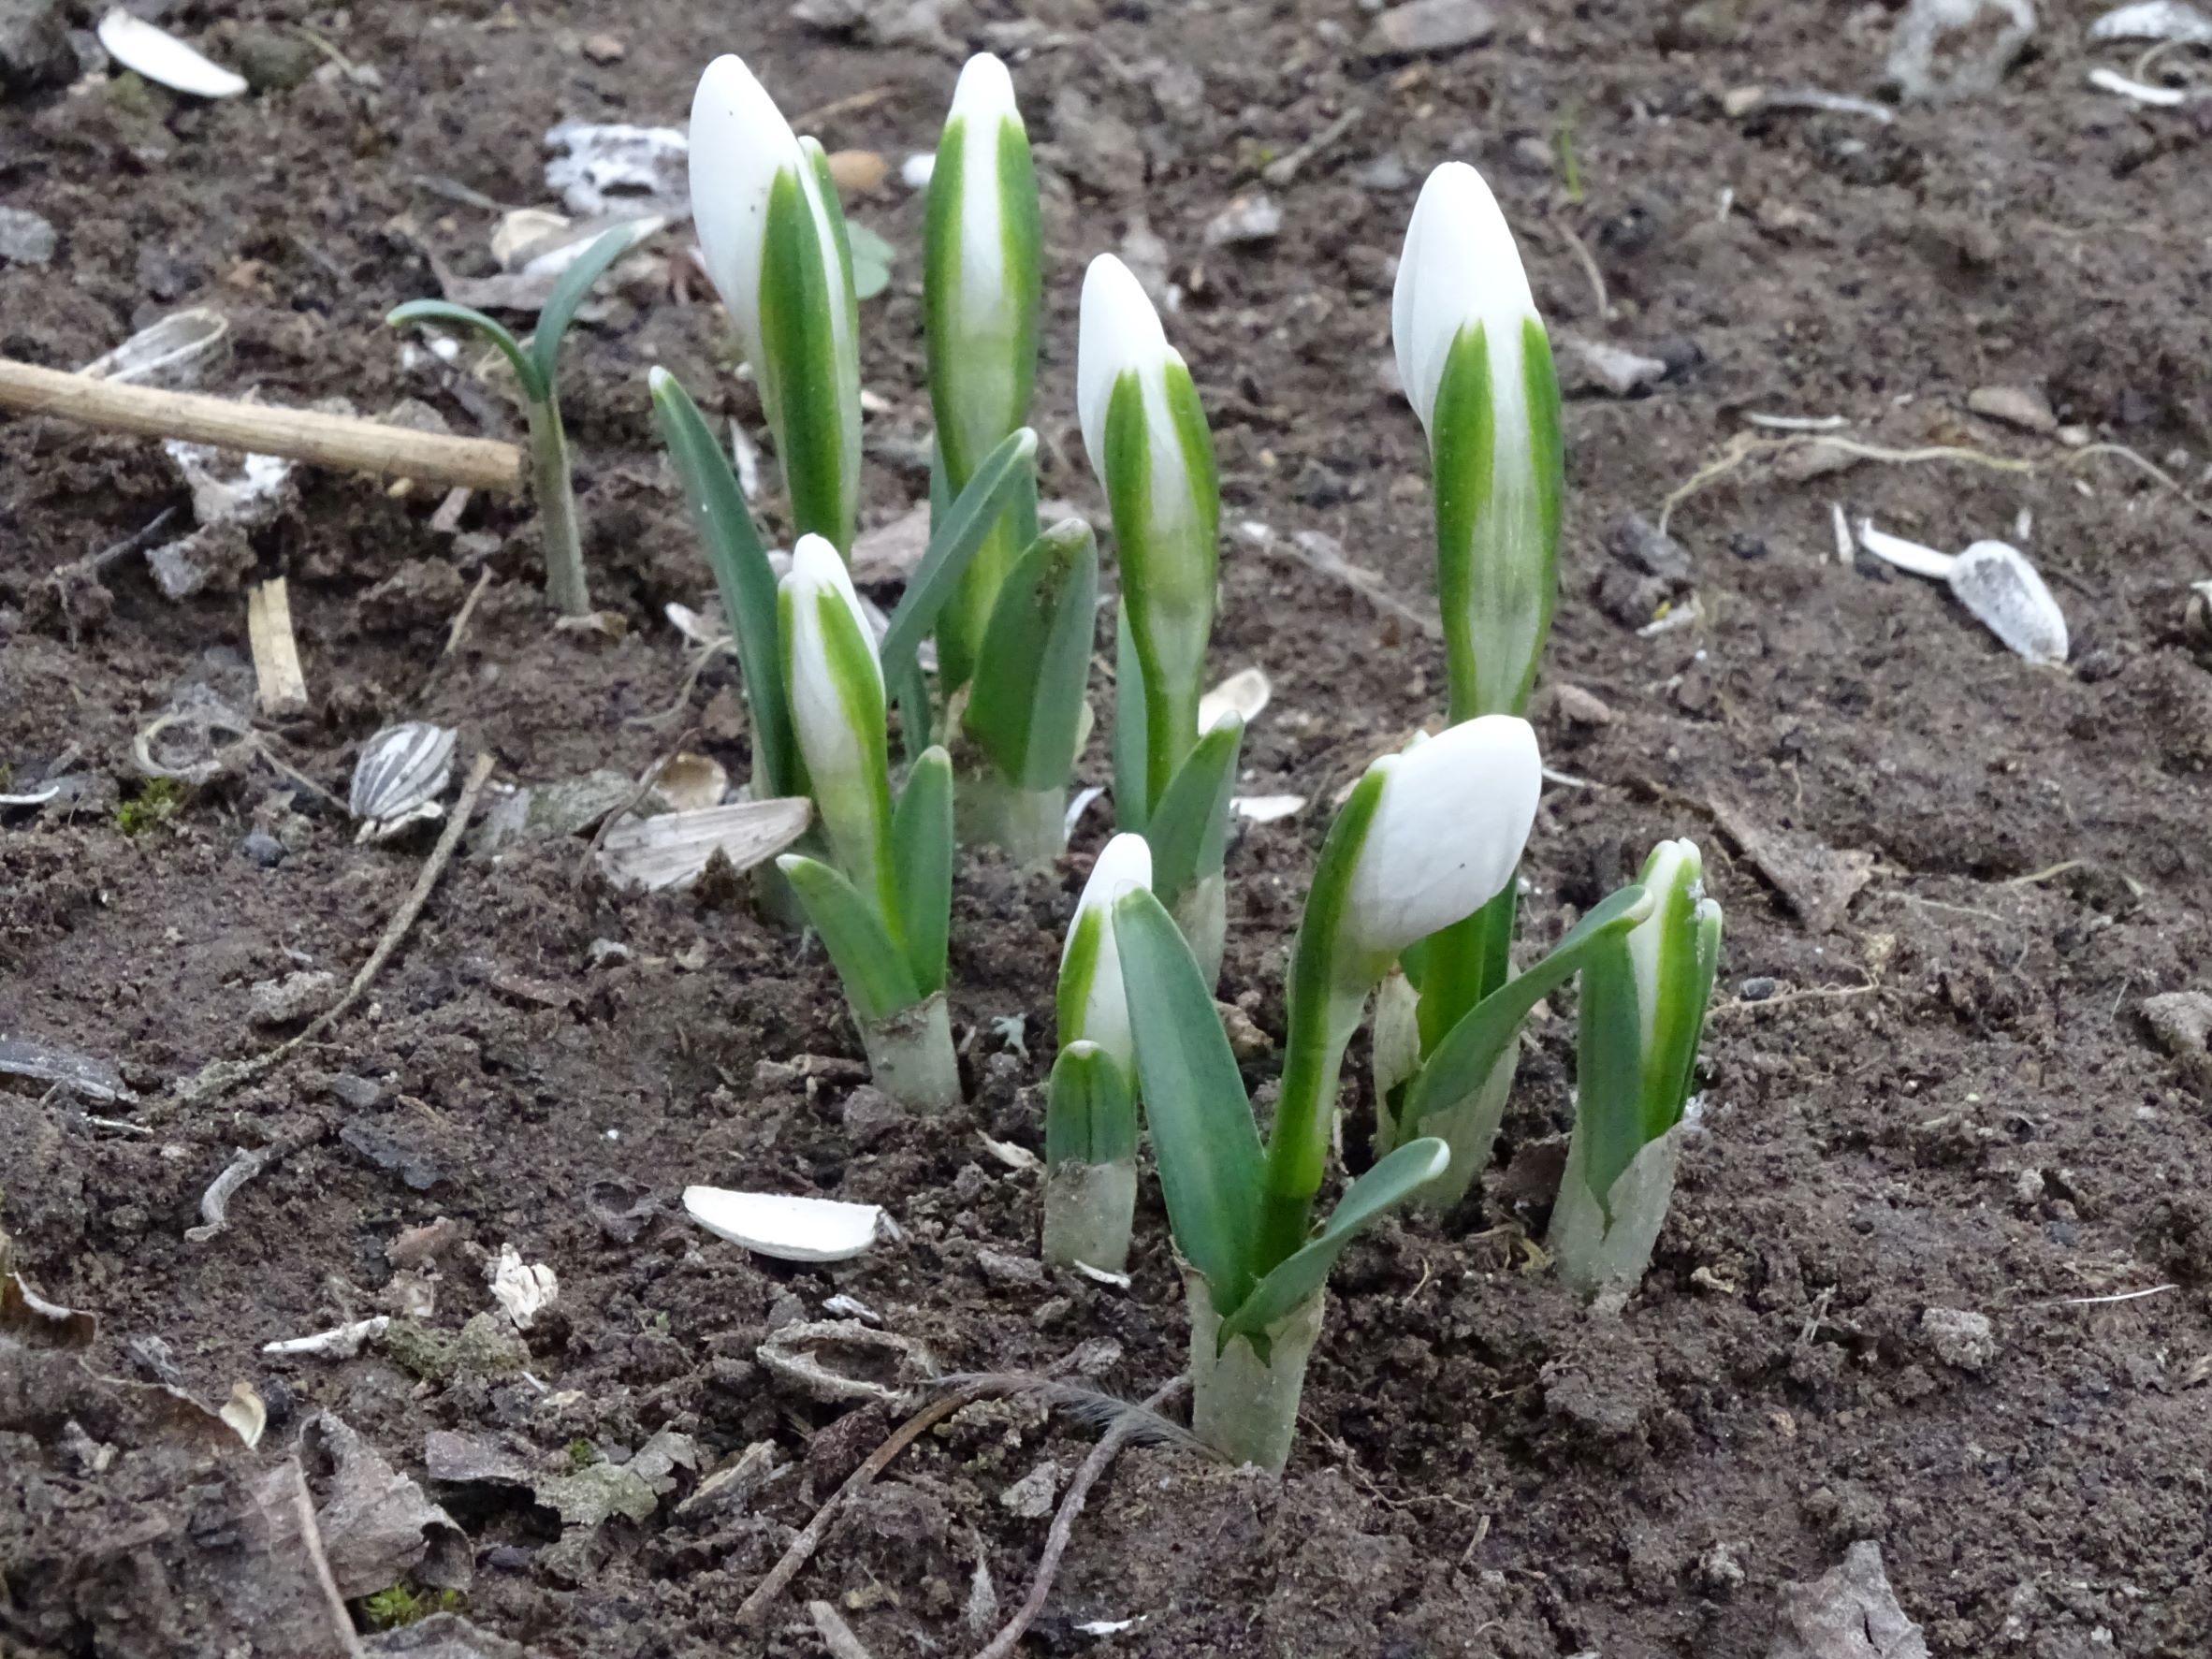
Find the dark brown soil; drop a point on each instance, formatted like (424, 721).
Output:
(1946, 1100)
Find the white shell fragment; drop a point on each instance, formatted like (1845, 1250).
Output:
(1995, 581)
(175, 351)
(397, 781)
(2154, 19)
(524, 1288)
(162, 58)
(341, 1343)
(245, 1413)
(786, 1227)
(1246, 693)
(1266, 808)
(2158, 97)
(673, 850)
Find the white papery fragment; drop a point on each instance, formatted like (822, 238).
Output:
(1995, 581)
(788, 1228)
(164, 59)
(524, 1288)
(1246, 692)
(2154, 19)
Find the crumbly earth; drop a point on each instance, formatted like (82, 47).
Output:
(1952, 879)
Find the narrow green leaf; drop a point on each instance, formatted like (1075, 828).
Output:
(922, 844)
(1188, 829)
(1089, 1116)
(911, 691)
(1608, 1073)
(1671, 1070)
(875, 977)
(1026, 704)
(1458, 1064)
(802, 380)
(1132, 795)
(1465, 962)
(742, 574)
(534, 387)
(1389, 1183)
(568, 294)
(1202, 1133)
(958, 533)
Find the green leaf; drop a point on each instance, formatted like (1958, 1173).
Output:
(568, 294)
(1089, 1116)
(876, 979)
(911, 693)
(1497, 521)
(958, 531)
(534, 387)
(804, 381)
(1457, 1065)
(742, 574)
(922, 851)
(1188, 828)
(1026, 704)
(1608, 1073)
(872, 258)
(1202, 1133)
(1389, 1183)
(1133, 796)
(1465, 962)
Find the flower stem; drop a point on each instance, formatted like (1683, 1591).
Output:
(1030, 827)
(1088, 1212)
(554, 489)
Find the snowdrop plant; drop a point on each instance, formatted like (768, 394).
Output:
(1475, 364)
(1643, 1002)
(1090, 1114)
(536, 372)
(1425, 838)
(882, 902)
(774, 238)
(1148, 442)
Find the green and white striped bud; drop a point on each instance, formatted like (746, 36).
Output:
(1477, 365)
(1149, 444)
(1092, 1005)
(774, 237)
(836, 686)
(1642, 1013)
(981, 295)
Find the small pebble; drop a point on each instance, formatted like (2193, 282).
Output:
(263, 848)
(1960, 1338)
(1756, 989)
(605, 49)
(25, 237)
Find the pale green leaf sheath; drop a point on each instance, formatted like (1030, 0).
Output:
(775, 244)
(981, 295)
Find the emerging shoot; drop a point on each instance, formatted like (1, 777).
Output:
(1090, 1114)
(1644, 998)
(1149, 444)
(536, 372)
(882, 904)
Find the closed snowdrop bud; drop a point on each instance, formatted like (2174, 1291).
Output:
(1447, 833)
(774, 239)
(1477, 366)
(1664, 953)
(836, 688)
(1460, 269)
(983, 269)
(739, 143)
(1092, 1006)
(1148, 442)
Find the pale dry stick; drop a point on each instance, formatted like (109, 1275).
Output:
(299, 434)
(818, 1530)
(460, 630)
(1063, 1527)
(2094, 1301)
(223, 1077)
(1816, 994)
(1589, 264)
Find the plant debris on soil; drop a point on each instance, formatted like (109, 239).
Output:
(1956, 1135)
